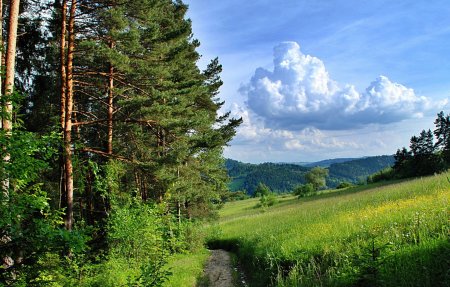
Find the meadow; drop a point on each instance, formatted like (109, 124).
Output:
(393, 234)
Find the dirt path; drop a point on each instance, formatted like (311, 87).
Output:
(219, 269)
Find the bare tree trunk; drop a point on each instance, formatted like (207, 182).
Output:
(7, 108)
(62, 59)
(11, 61)
(9, 78)
(110, 104)
(62, 62)
(178, 202)
(6, 260)
(1, 52)
(68, 119)
(1, 79)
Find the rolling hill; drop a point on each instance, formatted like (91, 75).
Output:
(283, 177)
(383, 234)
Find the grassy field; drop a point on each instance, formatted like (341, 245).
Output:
(187, 269)
(379, 235)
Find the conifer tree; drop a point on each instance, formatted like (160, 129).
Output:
(442, 134)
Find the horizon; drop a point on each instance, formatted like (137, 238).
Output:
(316, 80)
(309, 162)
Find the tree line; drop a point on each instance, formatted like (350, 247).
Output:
(425, 155)
(110, 121)
(428, 153)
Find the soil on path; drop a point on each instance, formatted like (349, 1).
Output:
(219, 269)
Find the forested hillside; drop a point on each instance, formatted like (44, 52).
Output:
(284, 177)
(111, 142)
(328, 162)
(358, 169)
(278, 177)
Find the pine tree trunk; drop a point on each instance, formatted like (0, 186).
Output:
(110, 104)
(9, 78)
(62, 51)
(1, 52)
(11, 61)
(5, 192)
(62, 59)
(68, 119)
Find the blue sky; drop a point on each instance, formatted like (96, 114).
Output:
(322, 79)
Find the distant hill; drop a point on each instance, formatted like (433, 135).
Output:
(358, 169)
(283, 177)
(328, 162)
(279, 177)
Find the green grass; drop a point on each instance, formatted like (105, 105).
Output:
(187, 269)
(380, 235)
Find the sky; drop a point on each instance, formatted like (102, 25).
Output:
(320, 79)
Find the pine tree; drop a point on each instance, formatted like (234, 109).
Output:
(442, 134)
(424, 161)
(402, 166)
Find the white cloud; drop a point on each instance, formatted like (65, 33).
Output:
(251, 130)
(299, 93)
(312, 139)
(253, 133)
(256, 143)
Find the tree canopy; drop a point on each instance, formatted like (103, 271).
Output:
(136, 138)
(317, 177)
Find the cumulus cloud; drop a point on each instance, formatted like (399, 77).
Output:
(254, 132)
(299, 93)
(314, 139)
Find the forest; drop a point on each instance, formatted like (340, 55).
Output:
(283, 177)
(111, 141)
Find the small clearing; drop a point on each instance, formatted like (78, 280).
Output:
(219, 269)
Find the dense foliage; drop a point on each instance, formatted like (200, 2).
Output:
(304, 190)
(116, 150)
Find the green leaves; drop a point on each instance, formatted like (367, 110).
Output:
(317, 177)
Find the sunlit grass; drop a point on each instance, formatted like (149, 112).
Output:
(186, 269)
(324, 239)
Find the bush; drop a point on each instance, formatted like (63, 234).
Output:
(141, 236)
(304, 190)
(267, 200)
(382, 175)
(235, 195)
(31, 237)
(262, 190)
(344, 184)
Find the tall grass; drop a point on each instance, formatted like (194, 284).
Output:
(187, 269)
(382, 235)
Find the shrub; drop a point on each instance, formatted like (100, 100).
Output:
(344, 184)
(138, 234)
(235, 195)
(262, 190)
(304, 190)
(267, 200)
(382, 175)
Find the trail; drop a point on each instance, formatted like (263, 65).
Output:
(219, 269)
